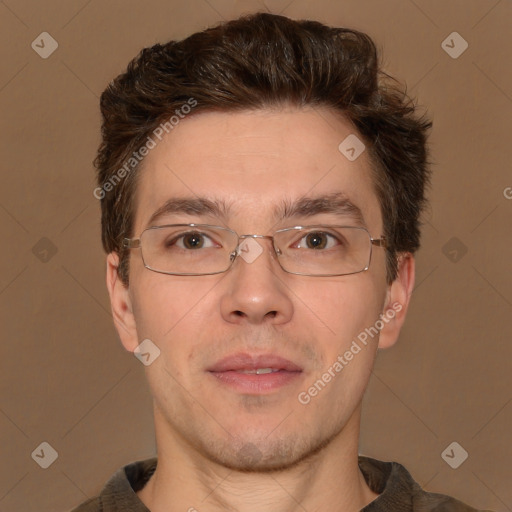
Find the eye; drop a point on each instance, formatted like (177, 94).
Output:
(317, 240)
(191, 241)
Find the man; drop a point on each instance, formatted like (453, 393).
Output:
(261, 184)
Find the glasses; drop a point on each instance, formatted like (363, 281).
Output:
(203, 249)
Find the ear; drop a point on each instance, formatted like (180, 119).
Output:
(121, 305)
(397, 301)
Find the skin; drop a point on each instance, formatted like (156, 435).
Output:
(304, 456)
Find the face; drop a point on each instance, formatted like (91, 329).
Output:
(215, 331)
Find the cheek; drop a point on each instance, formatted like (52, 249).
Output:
(168, 308)
(346, 305)
(349, 307)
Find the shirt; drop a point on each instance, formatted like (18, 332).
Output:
(397, 490)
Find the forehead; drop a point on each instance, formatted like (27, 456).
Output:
(256, 162)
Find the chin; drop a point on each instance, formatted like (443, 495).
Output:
(265, 456)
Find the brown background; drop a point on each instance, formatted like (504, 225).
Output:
(65, 378)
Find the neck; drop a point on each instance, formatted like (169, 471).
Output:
(187, 481)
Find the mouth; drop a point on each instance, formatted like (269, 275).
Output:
(259, 371)
(255, 374)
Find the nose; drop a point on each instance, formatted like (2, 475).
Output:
(254, 291)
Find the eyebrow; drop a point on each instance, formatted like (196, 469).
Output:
(336, 203)
(190, 206)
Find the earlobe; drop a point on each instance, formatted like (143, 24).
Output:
(397, 301)
(121, 305)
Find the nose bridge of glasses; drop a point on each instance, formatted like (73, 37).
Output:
(236, 252)
(256, 236)
(243, 237)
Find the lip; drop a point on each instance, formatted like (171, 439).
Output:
(229, 371)
(243, 361)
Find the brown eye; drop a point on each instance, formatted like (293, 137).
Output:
(316, 240)
(193, 241)
(319, 240)
(189, 241)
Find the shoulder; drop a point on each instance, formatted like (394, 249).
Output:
(119, 493)
(398, 491)
(432, 502)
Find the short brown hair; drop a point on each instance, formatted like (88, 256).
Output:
(259, 61)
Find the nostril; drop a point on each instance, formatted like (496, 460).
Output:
(271, 314)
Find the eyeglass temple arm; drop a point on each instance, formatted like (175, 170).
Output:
(379, 242)
(130, 243)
